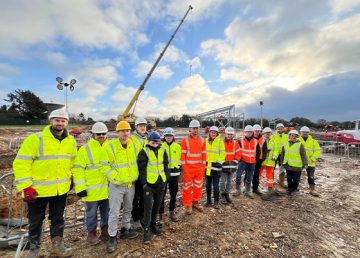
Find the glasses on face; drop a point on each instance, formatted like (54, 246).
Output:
(99, 134)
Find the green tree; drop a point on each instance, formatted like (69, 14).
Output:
(301, 121)
(27, 104)
(184, 120)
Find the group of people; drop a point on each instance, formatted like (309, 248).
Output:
(133, 172)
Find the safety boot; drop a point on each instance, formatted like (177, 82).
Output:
(208, 198)
(268, 195)
(111, 245)
(92, 238)
(34, 250)
(104, 235)
(313, 191)
(247, 192)
(156, 230)
(238, 190)
(198, 206)
(58, 249)
(257, 191)
(137, 226)
(227, 197)
(188, 210)
(128, 233)
(147, 236)
(282, 180)
(216, 200)
(173, 216)
(224, 199)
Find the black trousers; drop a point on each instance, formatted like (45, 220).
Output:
(138, 203)
(293, 179)
(36, 215)
(152, 202)
(256, 177)
(173, 189)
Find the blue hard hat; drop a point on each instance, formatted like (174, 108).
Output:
(154, 136)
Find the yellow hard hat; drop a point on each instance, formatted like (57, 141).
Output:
(123, 125)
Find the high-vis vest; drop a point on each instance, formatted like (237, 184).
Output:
(193, 152)
(280, 140)
(312, 148)
(272, 153)
(88, 173)
(120, 163)
(248, 150)
(174, 152)
(292, 155)
(139, 142)
(233, 155)
(44, 163)
(215, 152)
(155, 166)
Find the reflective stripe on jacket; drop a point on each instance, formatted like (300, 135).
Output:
(174, 153)
(272, 153)
(155, 166)
(120, 164)
(248, 150)
(89, 174)
(215, 152)
(193, 152)
(45, 163)
(312, 148)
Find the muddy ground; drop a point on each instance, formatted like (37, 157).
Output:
(298, 226)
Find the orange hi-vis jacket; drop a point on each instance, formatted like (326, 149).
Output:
(260, 141)
(233, 151)
(248, 150)
(193, 152)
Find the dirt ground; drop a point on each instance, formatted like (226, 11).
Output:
(297, 226)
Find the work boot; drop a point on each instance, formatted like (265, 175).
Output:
(104, 234)
(112, 244)
(128, 233)
(58, 249)
(216, 200)
(313, 191)
(238, 190)
(208, 198)
(188, 210)
(34, 251)
(137, 226)
(257, 191)
(147, 236)
(227, 197)
(92, 238)
(224, 199)
(268, 195)
(156, 230)
(173, 216)
(198, 206)
(282, 180)
(247, 192)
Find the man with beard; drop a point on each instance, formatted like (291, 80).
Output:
(42, 170)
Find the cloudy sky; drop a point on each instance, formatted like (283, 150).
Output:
(301, 57)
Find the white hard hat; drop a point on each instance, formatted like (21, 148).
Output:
(194, 123)
(294, 132)
(214, 128)
(229, 130)
(305, 129)
(99, 127)
(279, 125)
(256, 127)
(59, 113)
(140, 121)
(267, 130)
(168, 131)
(248, 128)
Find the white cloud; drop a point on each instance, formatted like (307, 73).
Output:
(341, 6)
(8, 69)
(172, 54)
(195, 64)
(161, 71)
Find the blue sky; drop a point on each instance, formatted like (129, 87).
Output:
(302, 58)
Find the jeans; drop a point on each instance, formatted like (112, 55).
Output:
(293, 179)
(173, 189)
(120, 195)
(249, 170)
(36, 215)
(91, 214)
(225, 182)
(138, 203)
(152, 202)
(214, 180)
(311, 175)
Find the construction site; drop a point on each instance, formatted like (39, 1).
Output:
(298, 226)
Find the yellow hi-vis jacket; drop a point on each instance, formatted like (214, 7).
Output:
(280, 140)
(292, 155)
(137, 141)
(120, 164)
(174, 153)
(88, 173)
(44, 163)
(312, 148)
(272, 153)
(215, 152)
(155, 166)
